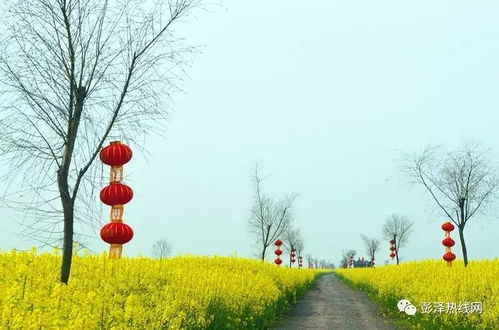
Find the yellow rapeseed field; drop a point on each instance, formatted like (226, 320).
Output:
(445, 297)
(185, 292)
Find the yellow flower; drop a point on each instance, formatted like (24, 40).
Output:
(431, 283)
(186, 292)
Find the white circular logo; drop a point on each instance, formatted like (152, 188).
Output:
(405, 305)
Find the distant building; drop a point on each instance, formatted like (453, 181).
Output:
(361, 262)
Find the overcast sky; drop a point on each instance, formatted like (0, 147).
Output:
(326, 96)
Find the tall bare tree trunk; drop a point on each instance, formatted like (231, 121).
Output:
(68, 213)
(396, 249)
(62, 179)
(266, 242)
(463, 245)
(460, 227)
(67, 246)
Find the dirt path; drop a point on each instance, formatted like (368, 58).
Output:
(331, 304)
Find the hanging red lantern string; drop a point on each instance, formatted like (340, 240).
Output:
(300, 262)
(116, 194)
(351, 262)
(278, 252)
(293, 255)
(392, 249)
(448, 242)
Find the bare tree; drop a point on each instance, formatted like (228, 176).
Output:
(314, 262)
(462, 183)
(397, 227)
(161, 248)
(345, 257)
(372, 245)
(300, 247)
(269, 219)
(310, 259)
(292, 240)
(75, 74)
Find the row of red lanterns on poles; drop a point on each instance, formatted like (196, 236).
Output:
(448, 242)
(278, 252)
(351, 261)
(116, 194)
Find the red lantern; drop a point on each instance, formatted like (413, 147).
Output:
(116, 233)
(293, 260)
(116, 194)
(448, 242)
(449, 256)
(116, 154)
(278, 252)
(293, 254)
(392, 248)
(447, 226)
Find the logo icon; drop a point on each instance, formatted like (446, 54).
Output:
(405, 305)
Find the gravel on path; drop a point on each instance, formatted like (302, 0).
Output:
(332, 304)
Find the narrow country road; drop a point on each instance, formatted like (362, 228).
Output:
(331, 304)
